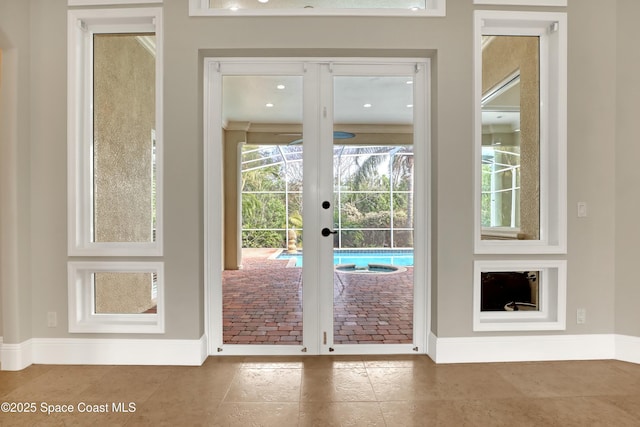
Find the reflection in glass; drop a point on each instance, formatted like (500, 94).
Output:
(510, 202)
(510, 291)
(125, 293)
(123, 137)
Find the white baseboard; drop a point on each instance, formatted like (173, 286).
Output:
(80, 351)
(524, 348)
(15, 357)
(628, 348)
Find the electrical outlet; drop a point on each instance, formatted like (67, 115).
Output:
(582, 209)
(581, 316)
(52, 319)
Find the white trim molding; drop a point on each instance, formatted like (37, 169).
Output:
(80, 351)
(558, 3)
(628, 348)
(525, 348)
(551, 29)
(551, 310)
(434, 8)
(14, 357)
(81, 26)
(83, 317)
(109, 2)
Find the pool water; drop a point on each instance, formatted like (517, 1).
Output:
(362, 258)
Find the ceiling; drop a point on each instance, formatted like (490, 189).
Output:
(358, 100)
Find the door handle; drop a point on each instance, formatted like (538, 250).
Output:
(326, 232)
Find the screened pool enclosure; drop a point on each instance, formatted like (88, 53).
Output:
(373, 196)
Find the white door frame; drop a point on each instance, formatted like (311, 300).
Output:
(315, 307)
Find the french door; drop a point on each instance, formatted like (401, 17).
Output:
(316, 206)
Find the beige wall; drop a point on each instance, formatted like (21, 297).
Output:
(627, 171)
(15, 168)
(1, 310)
(593, 264)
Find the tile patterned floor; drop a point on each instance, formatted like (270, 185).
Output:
(329, 391)
(262, 304)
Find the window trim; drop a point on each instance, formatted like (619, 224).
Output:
(552, 295)
(82, 24)
(83, 319)
(109, 2)
(558, 3)
(552, 29)
(435, 8)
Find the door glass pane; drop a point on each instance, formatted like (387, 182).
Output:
(262, 281)
(373, 210)
(124, 138)
(510, 206)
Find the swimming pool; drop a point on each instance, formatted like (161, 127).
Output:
(363, 257)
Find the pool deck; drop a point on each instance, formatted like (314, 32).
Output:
(262, 304)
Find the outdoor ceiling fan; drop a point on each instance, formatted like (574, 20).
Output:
(336, 135)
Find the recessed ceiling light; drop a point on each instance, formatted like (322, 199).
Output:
(280, 86)
(414, 8)
(263, 1)
(409, 105)
(367, 105)
(268, 105)
(409, 82)
(234, 8)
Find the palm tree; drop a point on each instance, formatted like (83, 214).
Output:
(401, 168)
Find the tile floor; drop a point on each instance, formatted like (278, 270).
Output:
(262, 304)
(330, 391)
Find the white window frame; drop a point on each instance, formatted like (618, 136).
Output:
(559, 3)
(82, 25)
(552, 294)
(552, 30)
(109, 2)
(81, 294)
(434, 8)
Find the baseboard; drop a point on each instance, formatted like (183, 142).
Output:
(432, 346)
(79, 351)
(524, 348)
(15, 357)
(628, 348)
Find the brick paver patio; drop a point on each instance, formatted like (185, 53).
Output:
(262, 304)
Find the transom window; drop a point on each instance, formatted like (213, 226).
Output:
(317, 7)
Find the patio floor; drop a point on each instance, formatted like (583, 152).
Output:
(262, 304)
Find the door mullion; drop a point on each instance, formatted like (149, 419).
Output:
(325, 160)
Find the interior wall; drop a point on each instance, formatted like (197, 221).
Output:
(627, 172)
(40, 30)
(48, 121)
(1, 281)
(591, 126)
(15, 202)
